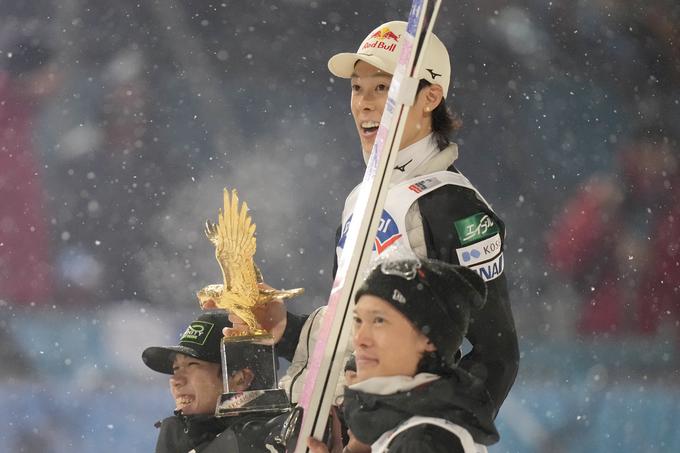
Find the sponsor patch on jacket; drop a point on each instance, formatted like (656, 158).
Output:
(480, 251)
(491, 269)
(476, 227)
(424, 184)
(197, 332)
(388, 233)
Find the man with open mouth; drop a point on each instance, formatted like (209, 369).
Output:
(432, 209)
(196, 384)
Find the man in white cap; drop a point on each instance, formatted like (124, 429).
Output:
(431, 208)
(370, 69)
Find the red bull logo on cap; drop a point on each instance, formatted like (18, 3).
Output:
(385, 33)
(380, 40)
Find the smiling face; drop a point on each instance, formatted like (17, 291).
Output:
(385, 341)
(369, 95)
(195, 385)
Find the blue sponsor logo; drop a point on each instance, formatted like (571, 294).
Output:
(388, 233)
(345, 229)
(471, 255)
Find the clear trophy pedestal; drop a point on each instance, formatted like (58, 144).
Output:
(246, 356)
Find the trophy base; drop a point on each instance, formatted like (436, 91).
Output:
(273, 401)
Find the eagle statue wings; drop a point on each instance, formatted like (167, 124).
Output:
(234, 239)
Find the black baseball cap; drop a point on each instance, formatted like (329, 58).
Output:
(201, 340)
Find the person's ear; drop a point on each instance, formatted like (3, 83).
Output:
(430, 347)
(425, 344)
(433, 97)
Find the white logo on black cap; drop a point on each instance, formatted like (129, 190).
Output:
(197, 332)
(398, 296)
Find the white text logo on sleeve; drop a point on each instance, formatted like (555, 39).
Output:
(480, 251)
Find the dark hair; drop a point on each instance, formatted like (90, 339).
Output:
(255, 357)
(444, 121)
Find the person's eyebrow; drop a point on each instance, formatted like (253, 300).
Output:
(375, 311)
(377, 74)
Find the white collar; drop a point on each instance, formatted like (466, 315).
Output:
(392, 384)
(411, 157)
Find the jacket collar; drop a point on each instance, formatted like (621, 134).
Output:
(440, 161)
(458, 397)
(393, 384)
(413, 156)
(422, 157)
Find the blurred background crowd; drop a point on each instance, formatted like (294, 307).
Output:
(121, 122)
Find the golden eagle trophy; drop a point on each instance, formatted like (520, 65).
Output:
(234, 239)
(247, 353)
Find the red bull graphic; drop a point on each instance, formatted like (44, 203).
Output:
(388, 233)
(385, 33)
(380, 40)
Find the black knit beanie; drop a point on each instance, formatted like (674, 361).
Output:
(436, 297)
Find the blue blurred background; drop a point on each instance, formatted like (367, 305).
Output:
(121, 122)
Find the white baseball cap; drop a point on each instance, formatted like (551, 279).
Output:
(381, 49)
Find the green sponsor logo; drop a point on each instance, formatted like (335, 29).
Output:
(476, 227)
(197, 332)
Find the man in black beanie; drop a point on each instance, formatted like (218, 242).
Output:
(410, 318)
(437, 297)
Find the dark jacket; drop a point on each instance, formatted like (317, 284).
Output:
(181, 433)
(459, 398)
(495, 354)
(210, 434)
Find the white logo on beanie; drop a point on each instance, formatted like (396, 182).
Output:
(398, 296)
